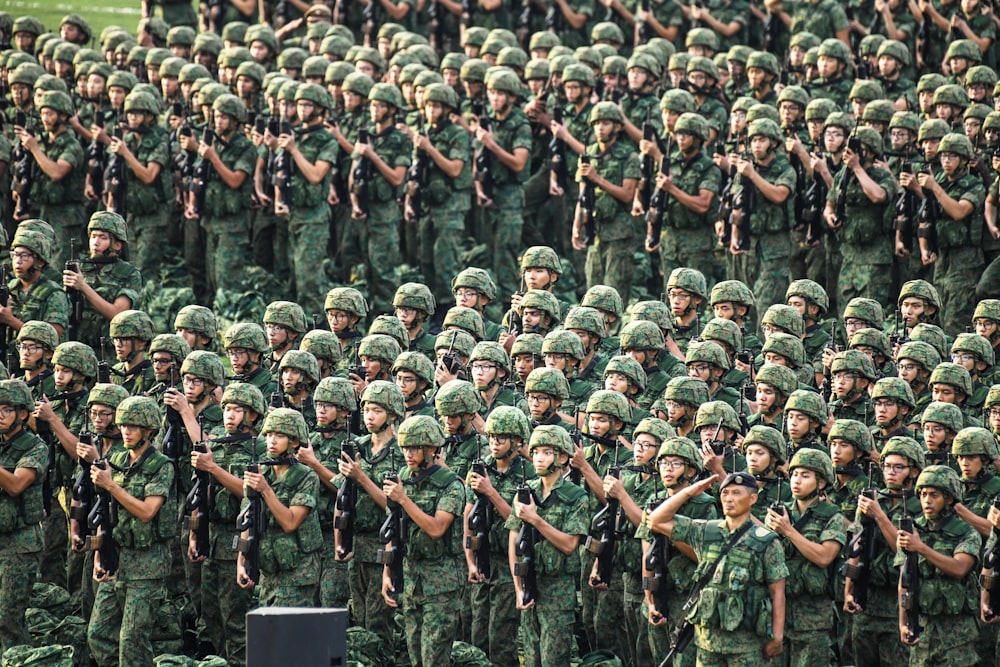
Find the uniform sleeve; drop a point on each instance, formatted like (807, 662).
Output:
(838, 17)
(72, 153)
(785, 177)
(453, 499)
(402, 151)
(577, 518)
(775, 568)
(161, 482)
(521, 137)
(970, 544)
(246, 160)
(974, 192)
(687, 530)
(835, 530)
(711, 180)
(306, 493)
(328, 152)
(56, 309)
(160, 154)
(633, 167)
(459, 148)
(36, 458)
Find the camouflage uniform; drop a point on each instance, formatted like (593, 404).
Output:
(110, 280)
(547, 628)
(61, 200)
(380, 237)
(333, 586)
(146, 206)
(309, 217)
(688, 239)
(43, 300)
(126, 609)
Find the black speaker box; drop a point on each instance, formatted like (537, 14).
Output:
(296, 637)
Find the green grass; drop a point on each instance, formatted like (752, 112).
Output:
(101, 14)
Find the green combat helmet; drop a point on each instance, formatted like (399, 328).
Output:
(414, 295)
(682, 448)
(302, 361)
(770, 439)
(718, 330)
(784, 318)
(508, 420)
(688, 390)
(816, 460)
(173, 345)
(689, 280)
(809, 403)
(952, 374)
(207, 366)
(420, 431)
(461, 341)
(906, 447)
(245, 335)
(605, 299)
(563, 342)
(547, 381)
(628, 368)
(972, 441)
(347, 299)
(657, 428)
(287, 314)
(656, 312)
(140, 411)
(322, 345)
(198, 320)
(105, 393)
(974, 344)
(465, 319)
(788, 346)
(245, 395)
(457, 397)
(286, 421)
(132, 324)
(379, 347)
(416, 363)
(40, 332)
(922, 353)
(609, 403)
(641, 335)
(854, 361)
(708, 352)
(387, 395)
(867, 310)
(943, 478)
(713, 413)
(336, 391)
(78, 357)
(782, 379)
(946, 414)
(812, 292)
(896, 389)
(555, 437)
(853, 432)
(389, 325)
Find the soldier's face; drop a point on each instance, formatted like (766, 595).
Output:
(233, 415)
(776, 359)
(616, 382)
(971, 465)
(843, 383)
(945, 393)
(102, 417)
(538, 404)
(803, 482)
(132, 435)
(725, 310)
(737, 500)
(95, 85)
(993, 415)
(289, 378)
(374, 416)
(886, 410)
(453, 424)
(523, 365)
(63, 377)
(827, 66)
(277, 444)
(598, 423)
(373, 367)
(414, 456)
(20, 93)
(841, 451)
(985, 327)
(671, 469)
(798, 423)
(434, 112)
(766, 397)
(758, 459)
(50, 118)
(531, 317)
(932, 502)
(543, 457)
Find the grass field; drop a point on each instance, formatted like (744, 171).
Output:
(124, 13)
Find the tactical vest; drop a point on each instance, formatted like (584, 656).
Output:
(736, 596)
(310, 141)
(140, 198)
(939, 593)
(964, 233)
(220, 199)
(281, 551)
(425, 494)
(551, 561)
(25, 509)
(67, 190)
(132, 533)
(805, 578)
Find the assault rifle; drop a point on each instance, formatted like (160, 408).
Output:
(361, 177)
(101, 521)
(587, 201)
(991, 561)
(483, 156)
(103, 367)
(347, 500)
(658, 204)
(647, 183)
(173, 440)
(75, 296)
(812, 212)
(655, 561)
(253, 521)
(557, 154)
(907, 208)
(97, 159)
(909, 581)
(927, 236)
(371, 19)
(744, 202)
(393, 533)
(606, 526)
(480, 523)
(203, 172)
(524, 549)
(644, 31)
(282, 175)
(864, 547)
(199, 503)
(115, 182)
(418, 177)
(84, 494)
(23, 177)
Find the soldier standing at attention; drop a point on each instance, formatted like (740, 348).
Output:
(735, 558)
(33, 295)
(432, 498)
(557, 511)
(614, 174)
(289, 563)
(139, 481)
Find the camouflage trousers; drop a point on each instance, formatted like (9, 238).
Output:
(380, 241)
(875, 641)
(149, 246)
(636, 621)
(308, 236)
(603, 613)
(767, 265)
(862, 275)
(198, 256)
(547, 628)
(956, 271)
(431, 623)
(227, 252)
(334, 589)
(367, 604)
(439, 234)
(122, 623)
(224, 606)
(294, 588)
(55, 532)
(610, 263)
(504, 221)
(67, 223)
(687, 248)
(661, 635)
(17, 576)
(751, 659)
(947, 641)
(495, 616)
(808, 649)
(807, 261)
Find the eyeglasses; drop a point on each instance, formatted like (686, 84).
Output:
(101, 415)
(277, 328)
(22, 256)
(466, 293)
(7, 411)
(962, 357)
(538, 398)
(699, 368)
(29, 348)
(500, 439)
(193, 381)
(670, 465)
(907, 367)
(162, 362)
(678, 294)
(895, 467)
(484, 367)
(337, 314)
(884, 402)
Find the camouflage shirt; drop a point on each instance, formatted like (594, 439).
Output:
(42, 300)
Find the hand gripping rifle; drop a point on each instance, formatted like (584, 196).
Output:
(480, 523)
(655, 560)
(524, 549)
(605, 531)
(864, 547)
(658, 204)
(393, 533)
(587, 201)
(253, 521)
(84, 494)
(199, 503)
(101, 521)
(347, 499)
(991, 561)
(909, 581)
(75, 296)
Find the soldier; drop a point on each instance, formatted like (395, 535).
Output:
(682, 397)
(614, 178)
(875, 344)
(686, 291)
(814, 532)
(36, 341)
(851, 447)
(852, 372)
(60, 161)
(284, 324)
(708, 362)
(489, 369)
(246, 345)
(232, 445)
(916, 360)
(670, 358)
(128, 600)
(624, 375)
(692, 185)
(974, 352)
(525, 356)
(345, 309)
(717, 427)
(563, 351)
(131, 333)
(413, 373)
(197, 326)
(474, 288)
(289, 569)
(109, 284)
(751, 555)
(225, 197)
(298, 375)
(494, 612)
(774, 385)
(414, 304)
(986, 322)
(940, 423)
(430, 575)
(947, 552)
(545, 389)
(557, 510)
(733, 300)
(376, 354)
(893, 404)
(34, 296)
(951, 383)
(325, 346)
(589, 326)
(813, 303)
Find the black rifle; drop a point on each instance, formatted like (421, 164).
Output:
(647, 182)
(557, 154)
(199, 503)
(466, 18)
(744, 201)
(347, 500)
(393, 533)
(658, 204)
(6, 333)
(516, 323)
(361, 176)
(103, 367)
(483, 157)
(656, 559)
(23, 176)
(480, 523)
(907, 207)
(799, 201)
(606, 525)
(524, 549)
(101, 522)
(418, 178)
(75, 296)
(97, 157)
(991, 561)
(452, 362)
(115, 181)
(173, 439)
(812, 212)
(864, 547)
(84, 494)
(554, 19)
(253, 521)
(909, 581)
(435, 16)
(587, 201)
(203, 172)
(927, 236)
(371, 19)
(645, 31)
(898, 336)
(283, 168)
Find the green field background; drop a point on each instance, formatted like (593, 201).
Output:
(100, 13)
